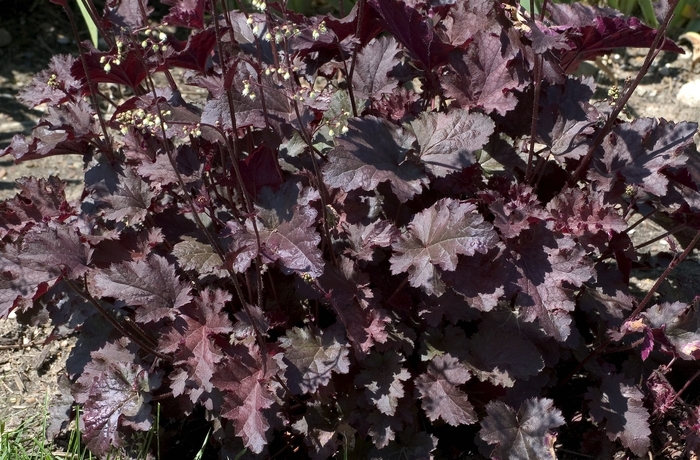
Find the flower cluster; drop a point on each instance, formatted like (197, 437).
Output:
(155, 39)
(142, 120)
(107, 61)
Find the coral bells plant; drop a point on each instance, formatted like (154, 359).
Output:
(403, 232)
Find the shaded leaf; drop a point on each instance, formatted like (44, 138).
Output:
(448, 141)
(372, 67)
(440, 397)
(522, 435)
(381, 379)
(194, 337)
(374, 151)
(150, 284)
(311, 357)
(618, 405)
(434, 239)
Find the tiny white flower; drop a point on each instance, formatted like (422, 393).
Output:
(107, 67)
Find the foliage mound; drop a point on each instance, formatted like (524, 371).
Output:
(403, 232)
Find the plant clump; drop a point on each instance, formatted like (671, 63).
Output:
(402, 232)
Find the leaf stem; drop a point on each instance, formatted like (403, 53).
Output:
(674, 263)
(620, 104)
(140, 341)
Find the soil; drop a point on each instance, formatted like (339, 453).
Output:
(32, 32)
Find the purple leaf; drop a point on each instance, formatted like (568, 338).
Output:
(151, 285)
(596, 31)
(115, 389)
(381, 379)
(200, 257)
(19, 285)
(55, 249)
(525, 434)
(483, 75)
(287, 233)
(311, 357)
(195, 54)
(372, 67)
(194, 337)
(448, 141)
(374, 151)
(131, 200)
(364, 239)
(414, 31)
(480, 278)
(38, 200)
(638, 153)
(680, 324)
(435, 237)
(440, 397)
(503, 356)
(185, 13)
(618, 406)
(128, 14)
(247, 394)
(352, 300)
(55, 85)
(544, 267)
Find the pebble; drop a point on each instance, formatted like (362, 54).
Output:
(689, 94)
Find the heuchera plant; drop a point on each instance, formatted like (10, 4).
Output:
(402, 232)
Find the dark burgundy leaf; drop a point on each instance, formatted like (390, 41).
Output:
(449, 141)
(55, 85)
(194, 255)
(365, 239)
(247, 394)
(546, 270)
(55, 249)
(618, 406)
(483, 76)
(586, 217)
(372, 67)
(596, 31)
(381, 378)
(638, 152)
(353, 301)
(196, 53)
(440, 397)
(288, 233)
(413, 30)
(680, 324)
(503, 356)
(567, 118)
(45, 143)
(38, 200)
(115, 389)
(131, 200)
(312, 357)
(19, 285)
(194, 338)
(185, 13)
(130, 71)
(434, 239)
(128, 14)
(516, 211)
(260, 169)
(151, 285)
(480, 278)
(465, 19)
(374, 151)
(525, 434)
(452, 306)
(409, 445)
